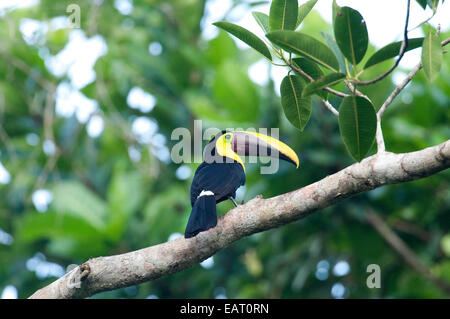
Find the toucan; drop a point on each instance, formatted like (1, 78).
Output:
(223, 172)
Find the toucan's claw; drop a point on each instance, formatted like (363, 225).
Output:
(234, 202)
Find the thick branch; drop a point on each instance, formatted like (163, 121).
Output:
(108, 273)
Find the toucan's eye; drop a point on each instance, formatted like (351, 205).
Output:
(228, 137)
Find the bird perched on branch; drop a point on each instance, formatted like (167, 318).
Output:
(223, 172)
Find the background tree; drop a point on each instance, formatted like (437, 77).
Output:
(85, 162)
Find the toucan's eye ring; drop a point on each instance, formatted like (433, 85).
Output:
(228, 136)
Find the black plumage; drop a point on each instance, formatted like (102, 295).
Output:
(222, 179)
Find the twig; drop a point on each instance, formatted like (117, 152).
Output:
(445, 42)
(412, 229)
(325, 102)
(379, 133)
(5, 140)
(310, 79)
(48, 136)
(392, 96)
(48, 168)
(4, 137)
(404, 251)
(381, 147)
(398, 89)
(19, 64)
(400, 56)
(330, 107)
(116, 117)
(425, 21)
(355, 91)
(48, 114)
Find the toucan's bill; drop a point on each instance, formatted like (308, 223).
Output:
(244, 143)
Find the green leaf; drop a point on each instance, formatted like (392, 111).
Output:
(357, 124)
(313, 70)
(90, 90)
(53, 224)
(283, 15)
(442, 269)
(165, 213)
(433, 4)
(246, 36)
(305, 45)
(392, 50)
(323, 82)
(221, 48)
(331, 42)
(262, 19)
(126, 193)
(335, 9)
(76, 199)
(431, 55)
(445, 244)
(350, 33)
(296, 108)
(204, 107)
(303, 11)
(423, 3)
(235, 92)
(257, 3)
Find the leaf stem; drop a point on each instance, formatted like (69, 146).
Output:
(310, 79)
(400, 56)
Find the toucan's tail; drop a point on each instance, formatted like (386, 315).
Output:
(203, 215)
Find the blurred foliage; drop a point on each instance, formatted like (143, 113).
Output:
(106, 201)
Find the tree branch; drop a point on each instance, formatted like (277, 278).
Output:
(310, 79)
(379, 134)
(113, 272)
(404, 251)
(404, 83)
(330, 107)
(381, 147)
(398, 89)
(401, 53)
(411, 229)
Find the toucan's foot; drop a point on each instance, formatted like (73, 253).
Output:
(234, 202)
(243, 202)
